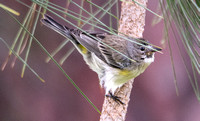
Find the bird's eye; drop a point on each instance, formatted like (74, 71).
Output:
(142, 48)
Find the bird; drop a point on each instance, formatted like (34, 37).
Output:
(115, 59)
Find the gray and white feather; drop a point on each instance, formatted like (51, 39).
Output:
(112, 67)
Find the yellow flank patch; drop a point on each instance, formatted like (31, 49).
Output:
(124, 72)
(83, 49)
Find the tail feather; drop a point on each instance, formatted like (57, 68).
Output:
(51, 23)
(65, 31)
(84, 43)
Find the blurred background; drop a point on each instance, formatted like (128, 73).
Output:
(153, 97)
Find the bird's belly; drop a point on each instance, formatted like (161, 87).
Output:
(115, 78)
(122, 76)
(126, 75)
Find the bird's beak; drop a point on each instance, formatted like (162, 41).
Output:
(156, 49)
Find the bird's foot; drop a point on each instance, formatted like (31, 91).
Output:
(115, 98)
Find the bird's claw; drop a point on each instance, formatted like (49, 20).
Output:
(115, 98)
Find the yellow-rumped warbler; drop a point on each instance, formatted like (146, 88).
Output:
(113, 68)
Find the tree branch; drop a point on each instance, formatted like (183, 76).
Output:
(132, 21)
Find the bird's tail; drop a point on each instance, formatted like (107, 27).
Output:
(51, 23)
(65, 31)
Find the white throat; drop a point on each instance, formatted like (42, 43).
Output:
(149, 60)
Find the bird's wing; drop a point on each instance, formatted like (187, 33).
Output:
(114, 56)
(105, 47)
(90, 41)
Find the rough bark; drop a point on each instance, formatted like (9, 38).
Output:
(132, 21)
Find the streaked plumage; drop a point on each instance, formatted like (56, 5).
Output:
(113, 68)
